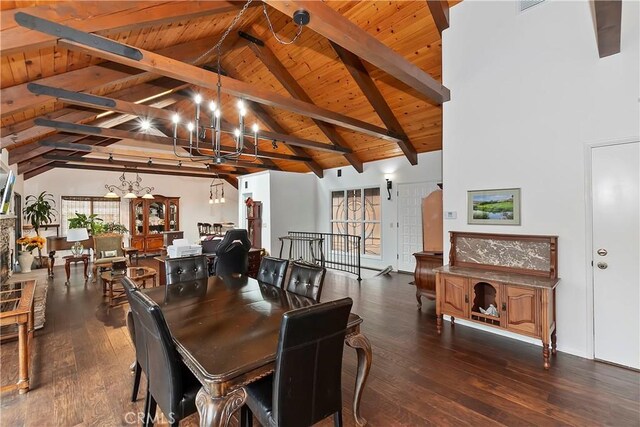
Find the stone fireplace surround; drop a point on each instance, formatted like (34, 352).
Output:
(7, 246)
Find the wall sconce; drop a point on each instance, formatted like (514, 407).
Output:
(389, 187)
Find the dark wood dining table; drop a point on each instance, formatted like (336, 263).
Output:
(226, 331)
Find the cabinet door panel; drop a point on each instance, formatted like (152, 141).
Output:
(522, 310)
(154, 243)
(455, 298)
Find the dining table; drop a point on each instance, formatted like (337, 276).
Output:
(226, 332)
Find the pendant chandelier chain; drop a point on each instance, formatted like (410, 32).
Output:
(275, 35)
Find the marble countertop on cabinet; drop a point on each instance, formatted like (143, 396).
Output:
(500, 276)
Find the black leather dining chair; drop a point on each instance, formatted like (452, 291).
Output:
(171, 386)
(141, 348)
(306, 280)
(186, 269)
(306, 386)
(272, 271)
(232, 254)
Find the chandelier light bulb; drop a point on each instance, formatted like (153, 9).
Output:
(243, 112)
(217, 114)
(190, 126)
(240, 104)
(217, 201)
(255, 128)
(197, 99)
(176, 119)
(212, 106)
(145, 124)
(210, 201)
(236, 132)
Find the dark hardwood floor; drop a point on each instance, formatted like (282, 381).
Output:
(80, 368)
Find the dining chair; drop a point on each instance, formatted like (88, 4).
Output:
(140, 363)
(306, 386)
(170, 384)
(186, 269)
(306, 280)
(232, 254)
(272, 271)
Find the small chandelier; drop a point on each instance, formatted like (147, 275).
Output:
(214, 189)
(129, 189)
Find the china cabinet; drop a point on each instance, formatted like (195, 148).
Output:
(150, 218)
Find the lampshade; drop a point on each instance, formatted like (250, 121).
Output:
(148, 196)
(77, 234)
(111, 195)
(130, 196)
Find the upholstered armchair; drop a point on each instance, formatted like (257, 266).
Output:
(108, 249)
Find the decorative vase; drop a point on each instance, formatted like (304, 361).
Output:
(26, 260)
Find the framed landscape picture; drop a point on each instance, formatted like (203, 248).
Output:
(501, 207)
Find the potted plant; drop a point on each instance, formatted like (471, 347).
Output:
(92, 223)
(39, 210)
(29, 243)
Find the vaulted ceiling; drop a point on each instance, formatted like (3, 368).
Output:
(321, 99)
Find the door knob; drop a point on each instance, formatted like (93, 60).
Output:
(602, 252)
(602, 265)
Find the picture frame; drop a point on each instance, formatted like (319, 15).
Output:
(494, 207)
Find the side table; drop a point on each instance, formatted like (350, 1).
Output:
(69, 259)
(130, 252)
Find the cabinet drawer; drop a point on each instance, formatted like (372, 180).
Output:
(522, 308)
(455, 296)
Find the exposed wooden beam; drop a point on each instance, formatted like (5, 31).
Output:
(608, 26)
(440, 12)
(39, 161)
(285, 78)
(149, 61)
(335, 27)
(127, 169)
(141, 136)
(140, 110)
(232, 180)
(360, 74)
(102, 18)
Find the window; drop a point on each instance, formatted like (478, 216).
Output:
(357, 212)
(107, 209)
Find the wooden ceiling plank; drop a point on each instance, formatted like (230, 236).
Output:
(440, 12)
(94, 78)
(360, 74)
(279, 71)
(141, 136)
(232, 180)
(102, 18)
(335, 27)
(62, 165)
(608, 14)
(149, 61)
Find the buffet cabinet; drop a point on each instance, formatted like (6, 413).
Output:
(149, 219)
(503, 281)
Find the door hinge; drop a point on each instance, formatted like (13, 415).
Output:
(397, 256)
(398, 224)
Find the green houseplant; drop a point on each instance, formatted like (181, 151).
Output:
(39, 210)
(91, 222)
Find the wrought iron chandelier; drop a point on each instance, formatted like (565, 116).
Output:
(214, 189)
(207, 134)
(130, 189)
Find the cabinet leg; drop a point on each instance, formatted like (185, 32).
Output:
(545, 355)
(453, 321)
(418, 295)
(439, 323)
(554, 339)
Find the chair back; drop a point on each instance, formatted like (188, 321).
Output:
(105, 243)
(272, 271)
(186, 269)
(232, 254)
(138, 339)
(307, 384)
(164, 367)
(210, 244)
(306, 280)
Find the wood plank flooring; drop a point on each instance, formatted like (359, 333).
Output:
(80, 368)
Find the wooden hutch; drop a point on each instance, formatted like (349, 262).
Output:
(431, 255)
(254, 224)
(150, 218)
(504, 281)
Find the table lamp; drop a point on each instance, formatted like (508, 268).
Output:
(77, 235)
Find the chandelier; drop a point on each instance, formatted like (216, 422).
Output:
(214, 189)
(205, 133)
(129, 189)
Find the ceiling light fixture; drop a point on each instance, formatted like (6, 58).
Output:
(216, 186)
(130, 189)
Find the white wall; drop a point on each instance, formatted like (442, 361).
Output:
(193, 193)
(428, 169)
(528, 93)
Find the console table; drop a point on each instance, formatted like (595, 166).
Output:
(504, 281)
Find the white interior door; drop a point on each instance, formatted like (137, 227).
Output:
(616, 253)
(410, 221)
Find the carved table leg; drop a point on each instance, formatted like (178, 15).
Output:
(439, 323)
(86, 265)
(363, 349)
(453, 321)
(554, 338)
(545, 355)
(418, 294)
(67, 269)
(218, 411)
(23, 356)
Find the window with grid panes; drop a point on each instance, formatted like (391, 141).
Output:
(107, 209)
(357, 212)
